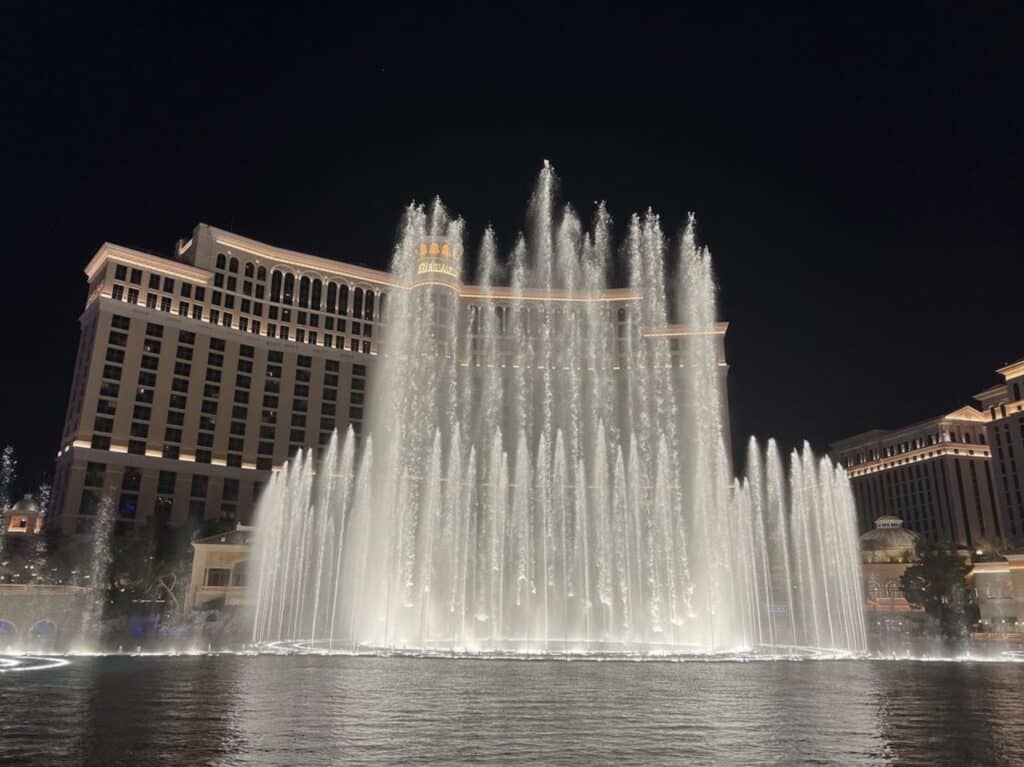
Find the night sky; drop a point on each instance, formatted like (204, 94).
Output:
(857, 176)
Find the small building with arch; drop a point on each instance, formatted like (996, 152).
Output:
(886, 553)
(220, 570)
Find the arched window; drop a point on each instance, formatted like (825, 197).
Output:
(357, 302)
(233, 265)
(332, 296)
(249, 269)
(315, 299)
(368, 314)
(261, 274)
(380, 307)
(275, 286)
(304, 292)
(44, 628)
(343, 299)
(289, 288)
(222, 260)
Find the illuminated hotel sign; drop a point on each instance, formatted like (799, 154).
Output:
(438, 259)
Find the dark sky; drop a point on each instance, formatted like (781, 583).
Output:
(857, 175)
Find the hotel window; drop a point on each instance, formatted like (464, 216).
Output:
(343, 299)
(154, 282)
(133, 296)
(136, 277)
(89, 504)
(151, 300)
(222, 260)
(120, 272)
(218, 577)
(119, 322)
(186, 290)
(289, 289)
(165, 304)
(232, 284)
(197, 312)
(183, 309)
(233, 265)
(118, 292)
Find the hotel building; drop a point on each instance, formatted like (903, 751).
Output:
(1004, 405)
(954, 478)
(200, 374)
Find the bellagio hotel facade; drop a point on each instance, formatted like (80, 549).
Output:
(199, 375)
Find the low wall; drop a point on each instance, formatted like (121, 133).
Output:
(32, 615)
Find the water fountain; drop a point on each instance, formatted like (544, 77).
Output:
(546, 470)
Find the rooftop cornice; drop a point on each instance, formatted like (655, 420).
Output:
(118, 253)
(301, 260)
(966, 414)
(1012, 370)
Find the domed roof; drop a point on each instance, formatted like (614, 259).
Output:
(26, 505)
(889, 540)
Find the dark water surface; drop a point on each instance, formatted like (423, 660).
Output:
(311, 710)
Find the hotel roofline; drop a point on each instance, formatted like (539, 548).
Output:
(325, 268)
(967, 414)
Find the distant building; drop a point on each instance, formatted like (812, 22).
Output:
(887, 551)
(23, 518)
(1004, 405)
(220, 570)
(998, 582)
(934, 475)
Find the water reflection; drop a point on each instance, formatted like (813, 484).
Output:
(233, 710)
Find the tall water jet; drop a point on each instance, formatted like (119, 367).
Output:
(552, 468)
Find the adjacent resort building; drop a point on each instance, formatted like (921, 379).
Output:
(953, 478)
(200, 374)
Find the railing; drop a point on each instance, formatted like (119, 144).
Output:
(42, 588)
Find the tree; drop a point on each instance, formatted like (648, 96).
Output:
(938, 583)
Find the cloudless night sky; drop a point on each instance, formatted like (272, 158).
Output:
(857, 175)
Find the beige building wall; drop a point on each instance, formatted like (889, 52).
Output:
(934, 475)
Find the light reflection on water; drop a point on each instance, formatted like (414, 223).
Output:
(311, 709)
